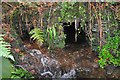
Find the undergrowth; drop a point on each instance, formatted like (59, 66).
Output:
(110, 52)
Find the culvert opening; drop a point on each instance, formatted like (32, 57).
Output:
(69, 30)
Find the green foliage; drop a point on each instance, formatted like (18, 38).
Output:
(67, 11)
(4, 50)
(20, 73)
(4, 54)
(71, 10)
(54, 38)
(6, 68)
(37, 34)
(83, 14)
(110, 52)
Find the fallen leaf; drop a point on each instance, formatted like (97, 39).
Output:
(17, 50)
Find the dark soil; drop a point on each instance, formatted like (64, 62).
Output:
(80, 57)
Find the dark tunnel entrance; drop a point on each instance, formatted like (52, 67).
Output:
(81, 38)
(69, 30)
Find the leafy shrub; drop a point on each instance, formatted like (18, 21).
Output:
(20, 73)
(110, 52)
(7, 67)
(4, 50)
(54, 38)
(37, 34)
(4, 54)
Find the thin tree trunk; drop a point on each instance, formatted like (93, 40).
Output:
(76, 27)
(20, 26)
(100, 30)
(90, 25)
(100, 27)
(98, 17)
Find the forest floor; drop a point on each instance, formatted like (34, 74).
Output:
(80, 57)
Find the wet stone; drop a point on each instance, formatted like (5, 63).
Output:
(44, 66)
(116, 73)
(84, 69)
(94, 65)
(70, 74)
(110, 69)
(88, 56)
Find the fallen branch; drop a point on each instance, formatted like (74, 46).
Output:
(47, 73)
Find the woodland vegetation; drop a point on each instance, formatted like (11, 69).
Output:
(42, 25)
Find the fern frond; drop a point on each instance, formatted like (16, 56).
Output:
(4, 51)
(37, 34)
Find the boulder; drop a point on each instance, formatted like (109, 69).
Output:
(44, 65)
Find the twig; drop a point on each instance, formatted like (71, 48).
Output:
(49, 15)
(21, 67)
(9, 4)
(45, 73)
